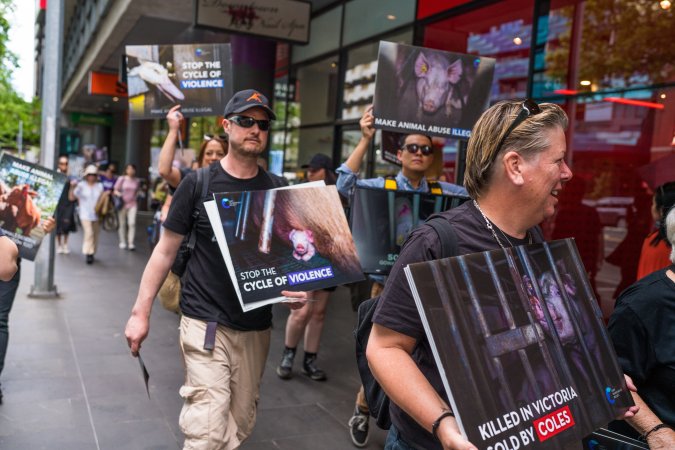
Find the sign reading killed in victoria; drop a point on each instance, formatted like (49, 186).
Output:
(520, 344)
(29, 194)
(293, 239)
(196, 76)
(420, 90)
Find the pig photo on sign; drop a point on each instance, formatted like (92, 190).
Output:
(428, 90)
(436, 79)
(303, 244)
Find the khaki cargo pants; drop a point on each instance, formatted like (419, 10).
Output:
(221, 385)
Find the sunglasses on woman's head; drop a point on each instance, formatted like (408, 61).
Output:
(414, 148)
(528, 108)
(248, 122)
(220, 137)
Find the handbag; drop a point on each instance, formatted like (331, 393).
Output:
(118, 202)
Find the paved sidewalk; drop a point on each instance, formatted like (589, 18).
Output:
(70, 383)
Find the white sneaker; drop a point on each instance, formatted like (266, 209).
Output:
(65, 250)
(123, 245)
(132, 247)
(59, 249)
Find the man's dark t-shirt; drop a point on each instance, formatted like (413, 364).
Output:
(396, 308)
(643, 334)
(207, 291)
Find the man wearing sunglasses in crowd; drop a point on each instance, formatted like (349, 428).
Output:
(416, 156)
(224, 349)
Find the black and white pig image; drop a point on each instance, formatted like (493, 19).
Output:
(303, 244)
(436, 81)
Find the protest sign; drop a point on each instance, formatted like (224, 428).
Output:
(28, 194)
(520, 344)
(381, 220)
(293, 239)
(433, 92)
(196, 76)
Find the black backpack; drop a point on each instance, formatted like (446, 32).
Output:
(378, 402)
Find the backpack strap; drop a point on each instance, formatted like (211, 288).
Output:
(201, 186)
(434, 187)
(275, 180)
(446, 234)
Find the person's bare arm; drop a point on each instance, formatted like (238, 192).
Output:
(155, 272)
(8, 255)
(389, 359)
(166, 155)
(367, 133)
(645, 420)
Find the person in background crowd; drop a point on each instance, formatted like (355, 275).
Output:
(65, 211)
(213, 149)
(642, 328)
(108, 177)
(127, 187)
(655, 252)
(309, 320)
(88, 192)
(515, 170)
(224, 349)
(10, 276)
(416, 156)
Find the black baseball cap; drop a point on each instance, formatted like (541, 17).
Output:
(319, 161)
(247, 99)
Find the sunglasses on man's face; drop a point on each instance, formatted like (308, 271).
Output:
(219, 137)
(248, 122)
(414, 148)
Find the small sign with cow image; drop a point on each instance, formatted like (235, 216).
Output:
(293, 238)
(29, 194)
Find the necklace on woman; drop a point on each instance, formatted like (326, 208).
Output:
(489, 226)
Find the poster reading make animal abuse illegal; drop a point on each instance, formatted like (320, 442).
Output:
(432, 92)
(521, 346)
(294, 239)
(28, 195)
(196, 76)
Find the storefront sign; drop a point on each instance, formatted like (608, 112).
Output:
(278, 19)
(101, 83)
(91, 119)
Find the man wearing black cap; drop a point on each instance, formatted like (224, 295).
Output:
(224, 349)
(320, 167)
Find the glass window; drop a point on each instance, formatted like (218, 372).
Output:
(324, 36)
(620, 153)
(365, 18)
(625, 49)
(316, 88)
(501, 31)
(426, 8)
(359, 85)
(312, 141)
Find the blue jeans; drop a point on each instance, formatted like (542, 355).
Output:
(395, 441)
(7, 293)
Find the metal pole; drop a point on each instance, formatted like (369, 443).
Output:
(51, 105)
(19, 140)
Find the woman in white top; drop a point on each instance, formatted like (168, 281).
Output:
(87, 192)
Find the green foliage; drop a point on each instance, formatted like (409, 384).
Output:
(621, 41)
(13, 108)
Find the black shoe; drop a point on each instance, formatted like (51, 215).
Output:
(90, 259)
(309, 368)
(285, 367)
(358, 428)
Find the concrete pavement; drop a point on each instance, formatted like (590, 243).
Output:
(70, 383)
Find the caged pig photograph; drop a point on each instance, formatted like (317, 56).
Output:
(435, 91)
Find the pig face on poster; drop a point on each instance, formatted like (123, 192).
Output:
(437, 78)
(302, 242)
